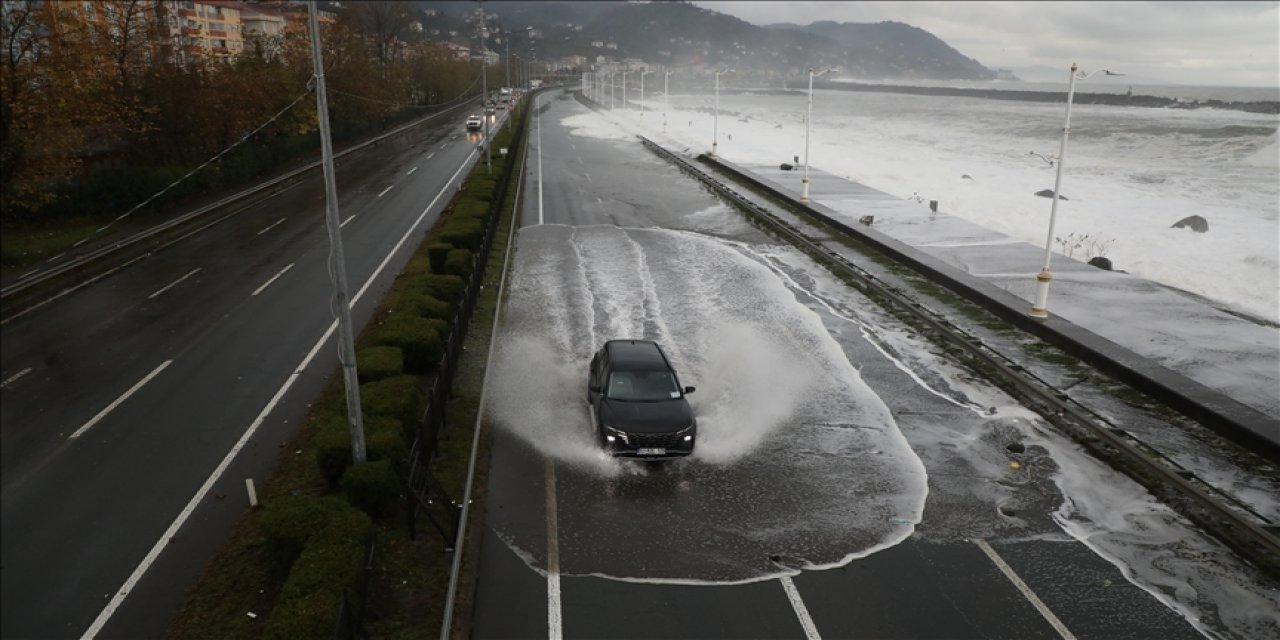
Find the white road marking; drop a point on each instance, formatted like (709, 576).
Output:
(271, 226)
(410, 172)
(384, 191)
(273, 279)
(579, 159)
(588, 176)
(599, 200)
(14, 378)
(1025, 590)
(70, 290)
(132, 390)
(443, 146)
(349, 219)
(174, 283)
(28, 274)
(431, 155)
(555, 622)
(161, 544)
(802, 612)
(80, 242)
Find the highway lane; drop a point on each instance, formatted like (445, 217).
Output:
(832, 519)
(214, 325)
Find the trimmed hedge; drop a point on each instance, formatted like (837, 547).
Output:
(420, 303)
(397, 397)
(436, 253)
(442, 287)
(373, 486)
(289, 521)
(472, 208)
(421, 340)
(459, 263)
(464, 232)
(384, 439)
(333, 562)
(378, 362)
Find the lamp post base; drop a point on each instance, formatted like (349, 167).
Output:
(1041, 307)
(804, 190)
(713, 149)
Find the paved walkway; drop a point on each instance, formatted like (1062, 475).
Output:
(1179, 331)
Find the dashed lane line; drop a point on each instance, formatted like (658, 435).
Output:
(273, 279)
(174, 283)
(271, 226)
(555, 621)
(349, 219)
(410, 172)
(802, 612)
(384, 191)
(15, 377)
(1026, 591)
(132, 390)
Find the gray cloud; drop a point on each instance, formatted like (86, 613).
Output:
(1221, 43)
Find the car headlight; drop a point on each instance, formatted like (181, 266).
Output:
(612, 435)
(686, 434)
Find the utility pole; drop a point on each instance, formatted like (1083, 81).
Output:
(484, 88)
(337, 261)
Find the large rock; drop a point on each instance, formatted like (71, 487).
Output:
(1048, 193)
(1196, 223)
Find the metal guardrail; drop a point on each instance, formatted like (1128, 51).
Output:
(1231, 521)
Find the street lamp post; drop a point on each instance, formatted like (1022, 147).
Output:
(642, 75)
(804, 182)
(715, 118)
(1040, 308)
(612, 85)
(666, 97)
(624, 89)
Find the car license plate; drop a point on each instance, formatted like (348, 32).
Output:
(651, 451)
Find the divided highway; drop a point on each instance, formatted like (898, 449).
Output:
(850, 480)
(134, 409)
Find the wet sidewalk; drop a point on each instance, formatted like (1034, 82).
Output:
(1179, 341)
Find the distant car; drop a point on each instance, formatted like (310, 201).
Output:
(637, 405)
(474, 123)
(488, 111)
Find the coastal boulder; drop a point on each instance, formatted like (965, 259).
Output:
(1196, 223)
(1100, 262)
(1048, 193)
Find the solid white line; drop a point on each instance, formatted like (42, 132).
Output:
(174, 283)
(555, 623)
(410, 172)
(535, 109)
(14, 378)
(1026, 591)
(384, 191)
(273, 279)
(161, 544)
(349, 219)
(272, 226)
(102, 414)
(70, 290)
(802, 612)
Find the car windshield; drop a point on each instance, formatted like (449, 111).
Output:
(642, 386)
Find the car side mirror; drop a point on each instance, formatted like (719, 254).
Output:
(690, 389)
(595, 388)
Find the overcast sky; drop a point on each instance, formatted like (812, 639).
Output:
(1197, 43)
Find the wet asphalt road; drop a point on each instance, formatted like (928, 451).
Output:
(822, 527)
(208, 331)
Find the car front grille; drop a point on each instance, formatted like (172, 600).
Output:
(666, 440)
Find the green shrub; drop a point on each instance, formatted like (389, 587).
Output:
(373, 487)
(436, 253)
(314, 615)
(420, 303)
(384, 438)
(333, 561)
(288, 521)
(376, 363)
(472, 208)
(398, 398)
(421, 340)
(464, 232)
(443, 287)
(459, 263)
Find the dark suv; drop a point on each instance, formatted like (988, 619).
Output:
(637, 404)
